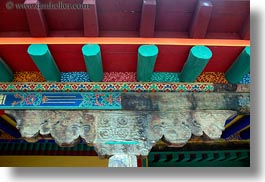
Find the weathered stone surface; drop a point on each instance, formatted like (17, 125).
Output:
(225, 87)
(243, 88)
(186, 101)
(121, 132)
(123, 161)
(239, 88)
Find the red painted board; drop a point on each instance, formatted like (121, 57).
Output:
(68, 57)
(16, 57)
(174, 16)
(119, 58)
(119, 15)
(64, 19)
(222, 58)
(11, 19)
(228, 16)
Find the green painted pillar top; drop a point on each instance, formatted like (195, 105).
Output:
(38, 49)
(202, 53)
(148, 50)
(93, 61)
(43, 59)
(147, 55)
(91, 49)
(6, 74)
(240, 67)
(198, 58)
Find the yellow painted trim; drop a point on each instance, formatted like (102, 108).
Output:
(234, 121)
(52, 161)
(247, 127)
(9, 120)
(123, 40)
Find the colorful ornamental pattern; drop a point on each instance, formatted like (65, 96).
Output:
(246, 79)
(212, 77)
(74, 77)
(164, 77)
(119, 77)
(28, 76)
(28, 100)
(107, 87)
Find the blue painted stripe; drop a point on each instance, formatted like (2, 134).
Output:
(236, 127)
(122, 142)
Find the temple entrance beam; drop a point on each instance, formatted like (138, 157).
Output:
(239, 102)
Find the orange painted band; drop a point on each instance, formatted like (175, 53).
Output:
(120, 40)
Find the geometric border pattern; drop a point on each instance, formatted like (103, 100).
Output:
(120, 87)
(105, 87)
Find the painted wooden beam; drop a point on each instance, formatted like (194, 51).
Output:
(36, 19)
(201, 19)
(245, 30)
(239, 102)
(27, 100)
(240, 67)
(147, 27)
(6, 74)
(90, 19)
(197, 60)
(124, 41)
(93, 61)
(147, 55)
(121, 87)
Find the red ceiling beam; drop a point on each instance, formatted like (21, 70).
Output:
(201, 19)
(124, 40)
(147, 27)
(245, 30)
(36, 20)
(90, 19)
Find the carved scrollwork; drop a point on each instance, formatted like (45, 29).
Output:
(121, 132)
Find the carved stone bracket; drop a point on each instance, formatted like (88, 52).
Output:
(121, 132)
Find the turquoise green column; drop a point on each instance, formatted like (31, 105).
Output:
(198, 58)
(92, 56)
(6, 74)
(43, 59)
(147, 55)
(240, 67)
